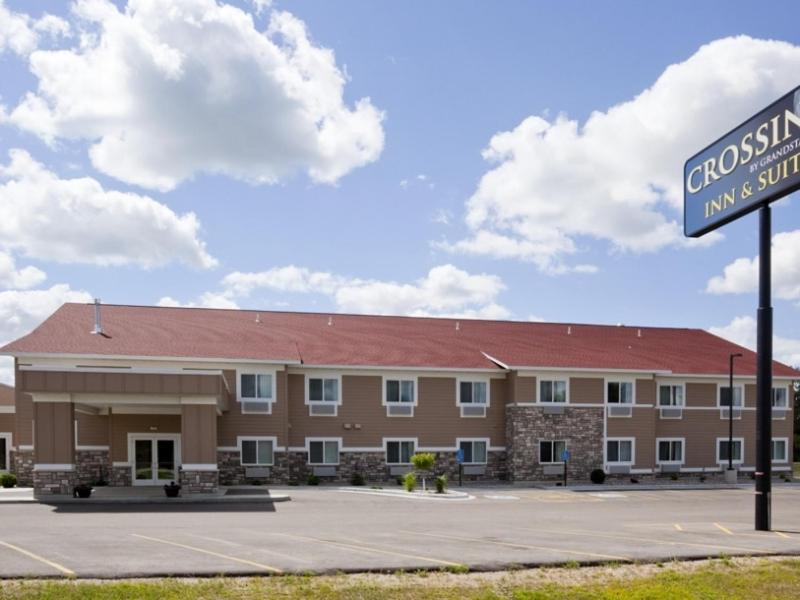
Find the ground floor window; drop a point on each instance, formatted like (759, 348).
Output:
(619, 451)
(723, 450)
(323, 452)
(474, 451)
(399, 452)
(550, 451)
(670, 451)
(256, 452)
(779, 446)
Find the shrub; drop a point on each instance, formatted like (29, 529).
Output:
(441, 484)
(674, 477)
(410, 481)
(423, 461)
(702, 478)
(597, 476)
(8, 480)
(313, 480)
(357, 479)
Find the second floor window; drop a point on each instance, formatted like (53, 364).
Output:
(670, 395)
(553, 391)
(256, 387)
(472, 392)
(620, 392)
(323, 390)
(400, 391)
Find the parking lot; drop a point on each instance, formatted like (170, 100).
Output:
(327, 530)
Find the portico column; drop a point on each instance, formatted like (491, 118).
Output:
(54, 444)
(199, 471)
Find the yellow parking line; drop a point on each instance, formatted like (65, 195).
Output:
(519, 546)
(678, 527)
(371, 549)
(781, 534)
(211, 553)
(650, 540)
(50, 563)
(254, 548)
(721, 528)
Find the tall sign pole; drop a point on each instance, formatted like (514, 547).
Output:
(745, 170)
(764, 374)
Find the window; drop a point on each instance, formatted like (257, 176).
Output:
(323, 452)
(550, 451)
(399, 391)
(779, 449)
(722, 450)
(670, 395)
(399, 452)
(780, 397)
(474, 451)
(725, 396)
(553, 391)
(256, 392)
(257, 452)
(473, 392)
(619, 392)
(619, 451)
(670, 451)
(5, 447)
(323, 389)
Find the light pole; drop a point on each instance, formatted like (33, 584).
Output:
(730, 411)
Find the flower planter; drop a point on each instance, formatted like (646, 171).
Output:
(82, 491)
(172, 490)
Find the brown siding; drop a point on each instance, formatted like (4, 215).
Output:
(23, 415)
(750, 395)
(6, 395)
(92, 430)
(520, 389)
(122, 425)
(7, 425)
(640, 426)
(437, 420)
(701, 428)
(54, 432)
(233, 423)
(586, 390)
(199, 434)
(701, 394)
(645, 391)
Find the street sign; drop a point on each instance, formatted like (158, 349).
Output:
(565, 455)
(459, 456)
(752, 165)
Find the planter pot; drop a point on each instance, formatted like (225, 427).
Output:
(172, 490)
(82, 491)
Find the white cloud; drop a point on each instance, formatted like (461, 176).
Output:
(617, 177)
(23, 310)
(78, 221)
(21, 34)
(11, 277)
(742, 331)
(443, 216)
(444, 291)
(170, 88)
(206, 300)
(741, 276)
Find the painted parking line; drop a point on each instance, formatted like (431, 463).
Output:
(678, 527)
(61, 568)
(724, 529)
(781, 534)
(370, 549)
(650, 540)
(519, 546)
(250, 547)
(211, 553)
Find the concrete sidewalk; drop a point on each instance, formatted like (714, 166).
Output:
(150, 495)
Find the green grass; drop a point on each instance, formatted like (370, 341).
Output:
(735, 578)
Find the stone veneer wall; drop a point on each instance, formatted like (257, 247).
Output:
(292, 466)
(120, 476)
(54, 482)
(582, 428)
(22, 467)
(199, 482)
(92, 466)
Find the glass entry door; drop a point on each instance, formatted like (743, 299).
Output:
(154, 460)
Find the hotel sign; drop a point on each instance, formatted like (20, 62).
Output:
(754, 164)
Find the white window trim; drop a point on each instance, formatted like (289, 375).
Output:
(402, 439)
(268, 402)
(386, 378)
(682, 440)
(257, 438)
(8, 436)
(541, 380)
(324, 376)
(724, 461)
(619, 380)
(735, 385)
(485, 380)
(786, 391)
(632, 440)
(338, 440)
(472, 440)
(555, 462)
(669, 384)
(785, 441)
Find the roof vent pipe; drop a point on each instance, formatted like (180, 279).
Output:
(458, 325)
(330, 321)
(98, 326)
(258, 317)
(569, 329)
(638, 333)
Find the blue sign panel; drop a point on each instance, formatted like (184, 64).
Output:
(565, 455)
(754, 164)
(459, 456)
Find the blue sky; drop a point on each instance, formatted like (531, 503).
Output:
(570, 219)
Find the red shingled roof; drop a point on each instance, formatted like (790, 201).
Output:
(359, 340)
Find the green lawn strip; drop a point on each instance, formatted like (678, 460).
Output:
(757, 578)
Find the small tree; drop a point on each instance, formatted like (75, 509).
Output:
(423, 462)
